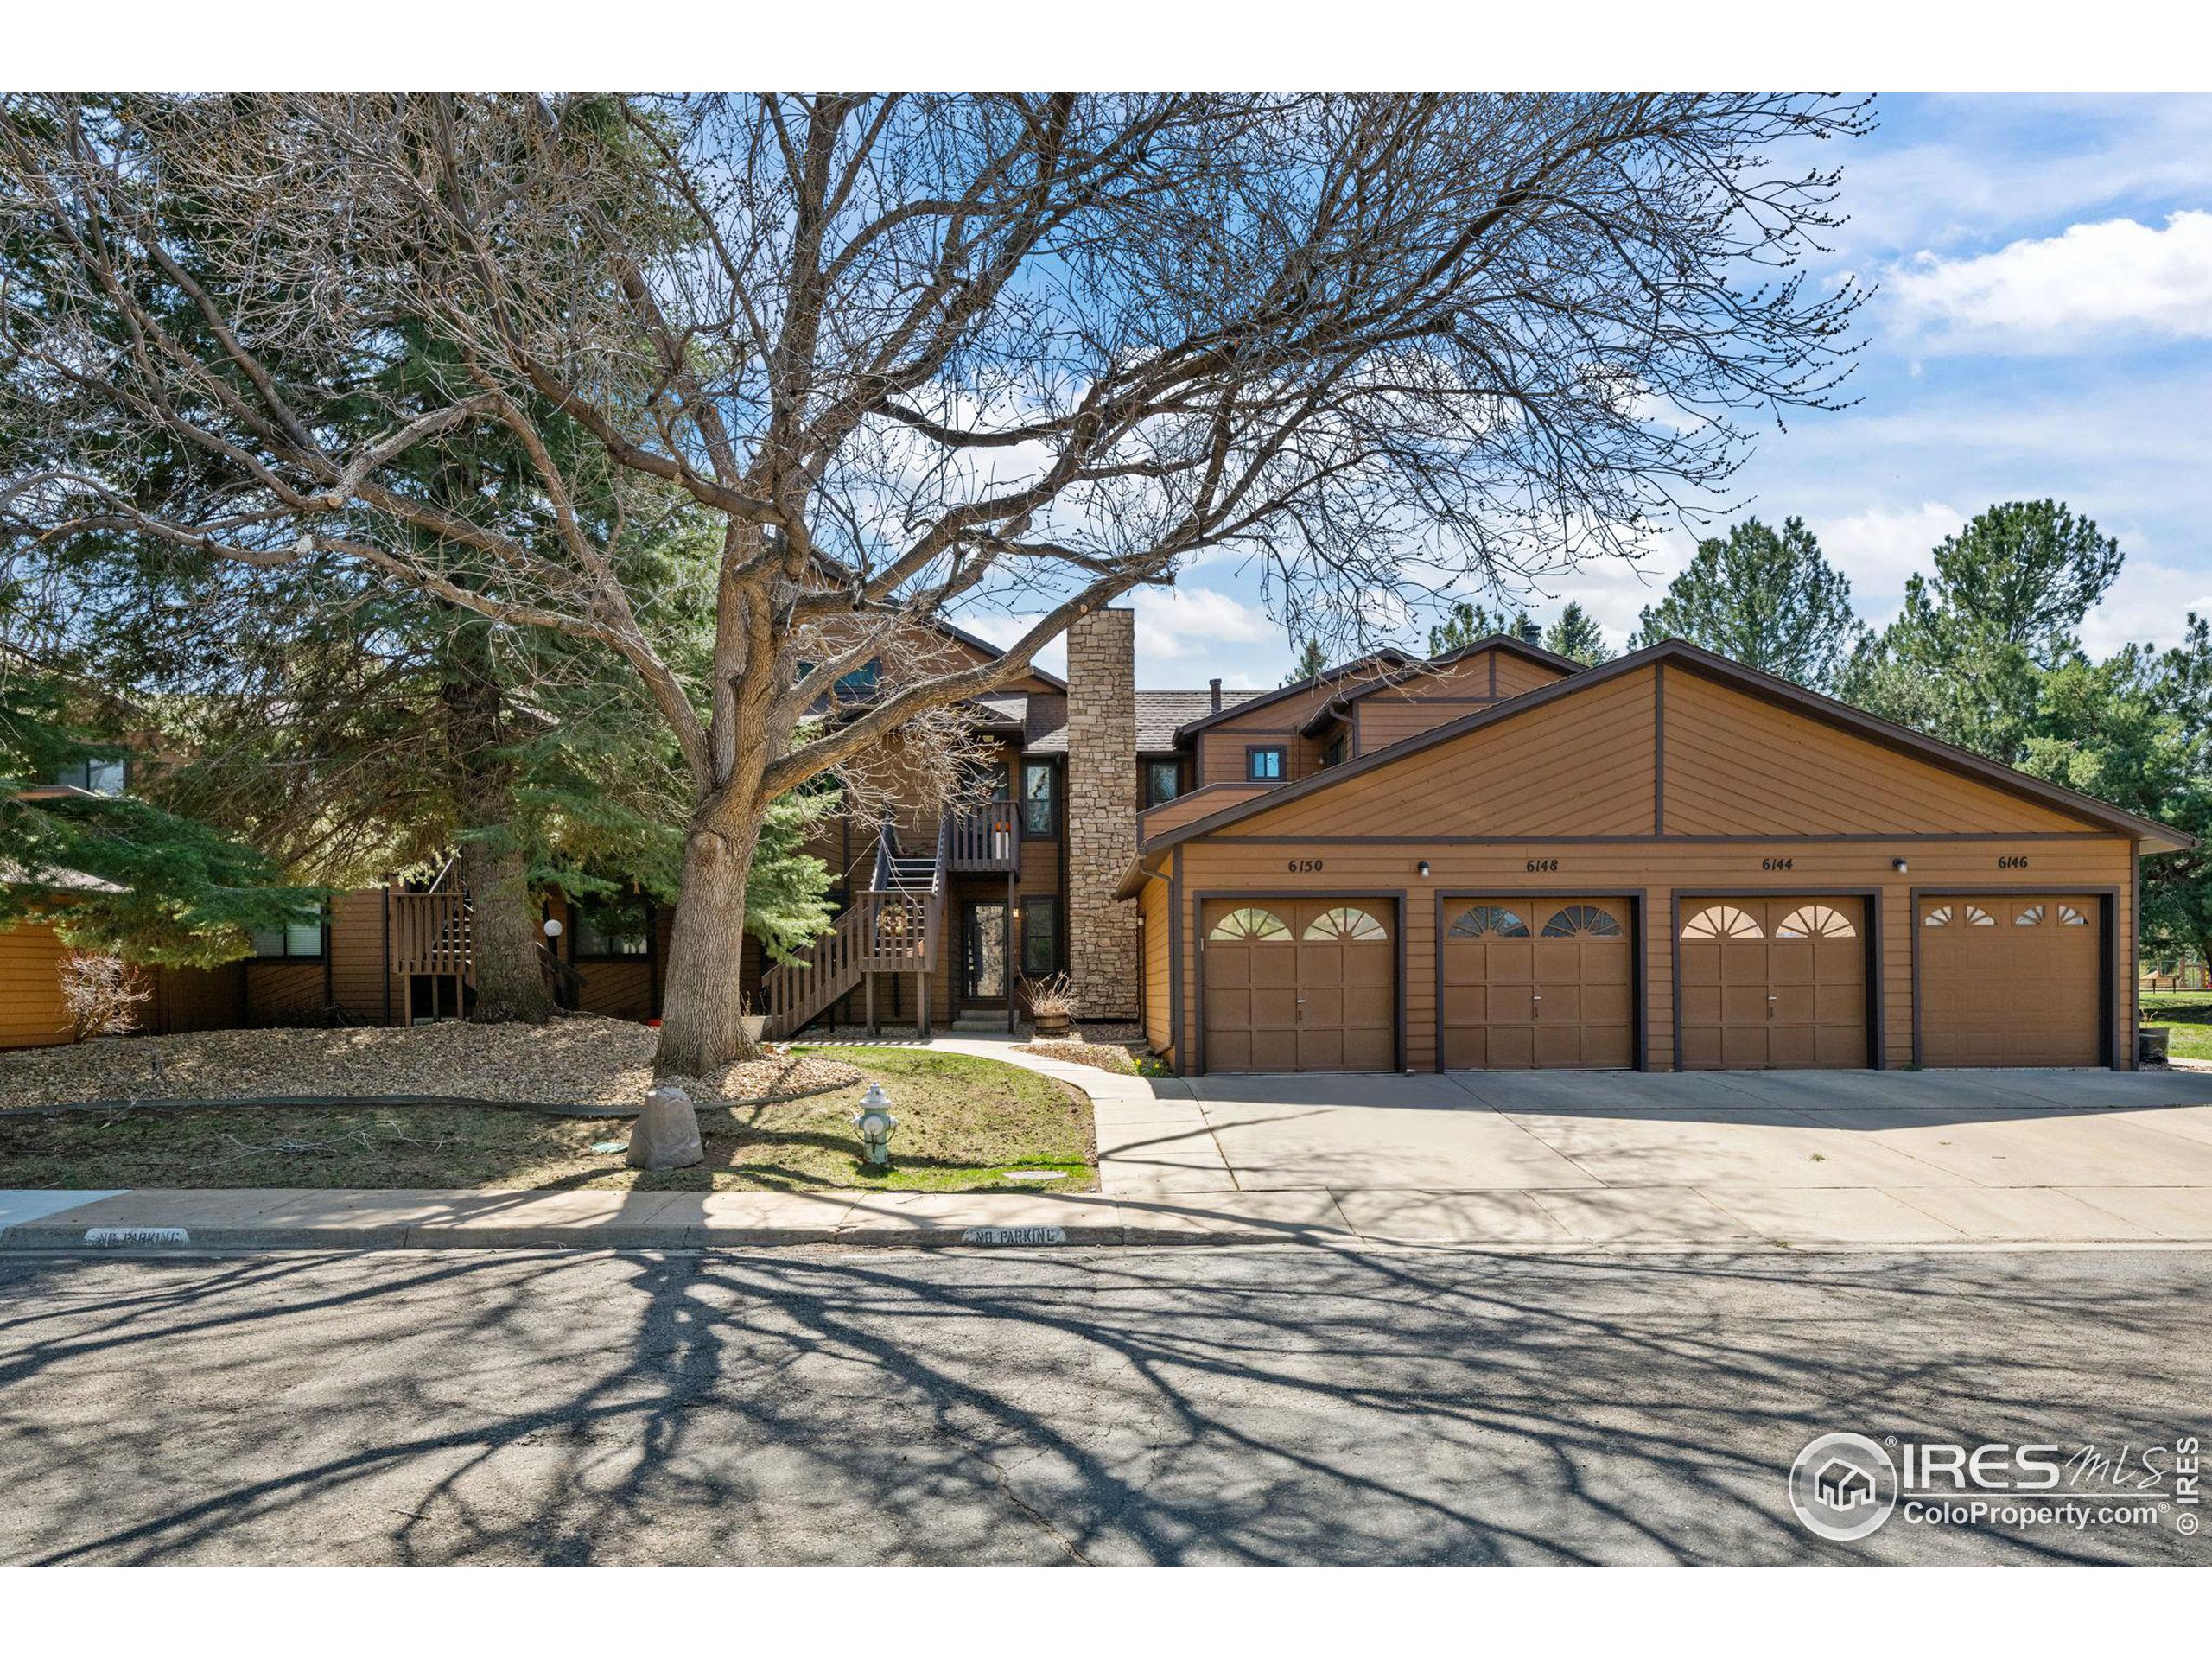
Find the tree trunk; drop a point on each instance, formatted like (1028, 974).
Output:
(701, 1004)
(503, 918)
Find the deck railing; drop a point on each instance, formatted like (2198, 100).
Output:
(430, 933)
(987, 838)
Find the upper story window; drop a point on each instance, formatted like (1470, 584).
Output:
(1334, 755)
(96, 775)
(851, 687)
(1266, 765)
(294, 942)
(609, 933)
(1163, 781)
(1040, 798)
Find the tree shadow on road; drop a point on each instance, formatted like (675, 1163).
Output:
(1110, 1406)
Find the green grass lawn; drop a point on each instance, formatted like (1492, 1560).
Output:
(2189, 1014)
(964, 1122)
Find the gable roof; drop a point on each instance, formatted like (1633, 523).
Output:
(1389, 655)
(1339, 706)
(1753, 682)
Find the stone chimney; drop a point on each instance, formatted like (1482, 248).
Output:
(1102, 812)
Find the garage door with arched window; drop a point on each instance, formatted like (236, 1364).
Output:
(1298, 984)
(1538, 982)
(1766, 982)
(2010, 979)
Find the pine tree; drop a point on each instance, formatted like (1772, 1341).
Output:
(1469, 622)
(1767, 598)
(111, 873)
(1312, 663)
(1576, 634)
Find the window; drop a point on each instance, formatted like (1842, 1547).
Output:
(1489, 920)
(851, 688)
(1816, 922)
(101, 775)
(1334, 755)
(1722, 922)
(1941, 916)
(1040, 937)
(1041, 793)
(604, 932)
(1265, 765)
(1349, 923)
(2069, 917)
(2031, 916)
(1163, 781)
(1582, 921)
(1249, 924)
(293, 942)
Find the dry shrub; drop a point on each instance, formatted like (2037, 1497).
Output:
(1053, 996)
(102, 993)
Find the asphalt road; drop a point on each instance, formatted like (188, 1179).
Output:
(1187, 1405)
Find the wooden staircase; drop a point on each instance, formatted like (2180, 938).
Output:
(893, 928)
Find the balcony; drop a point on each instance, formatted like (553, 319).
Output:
(986, 839)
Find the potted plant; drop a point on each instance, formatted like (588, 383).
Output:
(754, 1026)
(1052, 1005)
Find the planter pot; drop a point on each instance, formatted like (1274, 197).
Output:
(1050, 1024)
(754, 1025)
(2150, 1044)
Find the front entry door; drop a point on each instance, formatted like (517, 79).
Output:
(984, 953)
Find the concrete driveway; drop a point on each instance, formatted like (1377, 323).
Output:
(1864, 1158)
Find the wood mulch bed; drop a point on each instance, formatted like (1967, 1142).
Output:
(578, 1060)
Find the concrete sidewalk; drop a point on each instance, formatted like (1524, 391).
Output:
(1764, 1162)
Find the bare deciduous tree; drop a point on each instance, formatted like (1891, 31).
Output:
(913, 355)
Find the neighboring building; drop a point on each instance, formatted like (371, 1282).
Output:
(1496, 857)
(1668, 861)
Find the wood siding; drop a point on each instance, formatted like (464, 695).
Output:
(1739, 765)
(1158, 1006)
(31, 1011)
(1582, 766)
(1186, 809)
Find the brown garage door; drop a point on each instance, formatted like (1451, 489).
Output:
(2011, 980)
(1300, 985)
(1771, 981)
(1539, 981)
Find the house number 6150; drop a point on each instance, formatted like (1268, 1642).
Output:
(1304, 866)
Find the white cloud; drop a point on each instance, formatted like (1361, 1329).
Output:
(1880, 548)
(2147, 603)
(1183, 626)
(2049, 294)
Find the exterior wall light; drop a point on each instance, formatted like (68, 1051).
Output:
(874, 1123)
(1423, 867)
(552, 927)
(1899, 865)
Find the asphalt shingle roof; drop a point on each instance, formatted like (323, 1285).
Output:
(1159, 713)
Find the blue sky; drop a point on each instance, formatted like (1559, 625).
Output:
(2043, 327)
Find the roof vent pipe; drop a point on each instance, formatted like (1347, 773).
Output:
(1532, 634)
(1214, 686)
